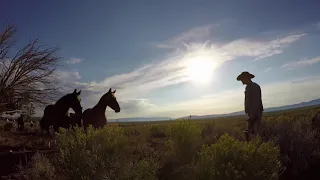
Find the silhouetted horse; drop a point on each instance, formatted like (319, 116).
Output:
(96, 116)
(57, 115)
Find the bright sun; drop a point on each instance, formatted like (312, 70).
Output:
(200, 70)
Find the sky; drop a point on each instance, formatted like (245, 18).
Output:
(176, 58)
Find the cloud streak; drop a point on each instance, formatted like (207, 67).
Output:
(74, 61)
(197, 34)
(301, 63)
(259, 49)
(268, 69)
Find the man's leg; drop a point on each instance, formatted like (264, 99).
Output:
(257, 123)
(249, 129)
(250, 124)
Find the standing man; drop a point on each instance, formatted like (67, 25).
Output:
(253, 102)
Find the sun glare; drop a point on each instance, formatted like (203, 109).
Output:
(200, 70)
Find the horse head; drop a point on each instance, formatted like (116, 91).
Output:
(111, 100)
(75, 102)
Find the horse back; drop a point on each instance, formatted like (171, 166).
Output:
(48, 109)
(46, 119)
(87, 112)
(86, 117)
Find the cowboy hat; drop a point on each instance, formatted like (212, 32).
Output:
(245, 74)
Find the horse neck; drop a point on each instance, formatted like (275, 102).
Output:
(61, 106)
(102, 105)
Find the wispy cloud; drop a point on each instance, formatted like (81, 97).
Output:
(305, 79)
(74, 61)
(268, 69)
(196, 34)
(259, 49)
(67, 77)
(318, 25)
(201, 38)
(301, 63)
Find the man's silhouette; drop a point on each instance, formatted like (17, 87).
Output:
(253, 101)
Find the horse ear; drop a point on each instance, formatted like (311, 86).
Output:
(78, 93)
(75, 91)
(109, 90)
(114, 91)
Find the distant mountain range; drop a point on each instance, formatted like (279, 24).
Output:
(314, 102)
(138, 119)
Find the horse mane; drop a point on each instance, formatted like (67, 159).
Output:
(101, 101)
(61, 104)
(62, 99)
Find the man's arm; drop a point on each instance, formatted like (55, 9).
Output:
(260, 96)
(254, 98)
(246, 100)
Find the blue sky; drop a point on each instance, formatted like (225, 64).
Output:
(145, 49)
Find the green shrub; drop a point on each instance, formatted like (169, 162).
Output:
(40, 168)
(208, 129)
(299, 145)
(233, 159)
(142, 150)
(156, 132)
(211, 132)
(140, 170)
(185, 138)
(91, 155)
(111, 140)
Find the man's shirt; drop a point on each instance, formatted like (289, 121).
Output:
(253, 101)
